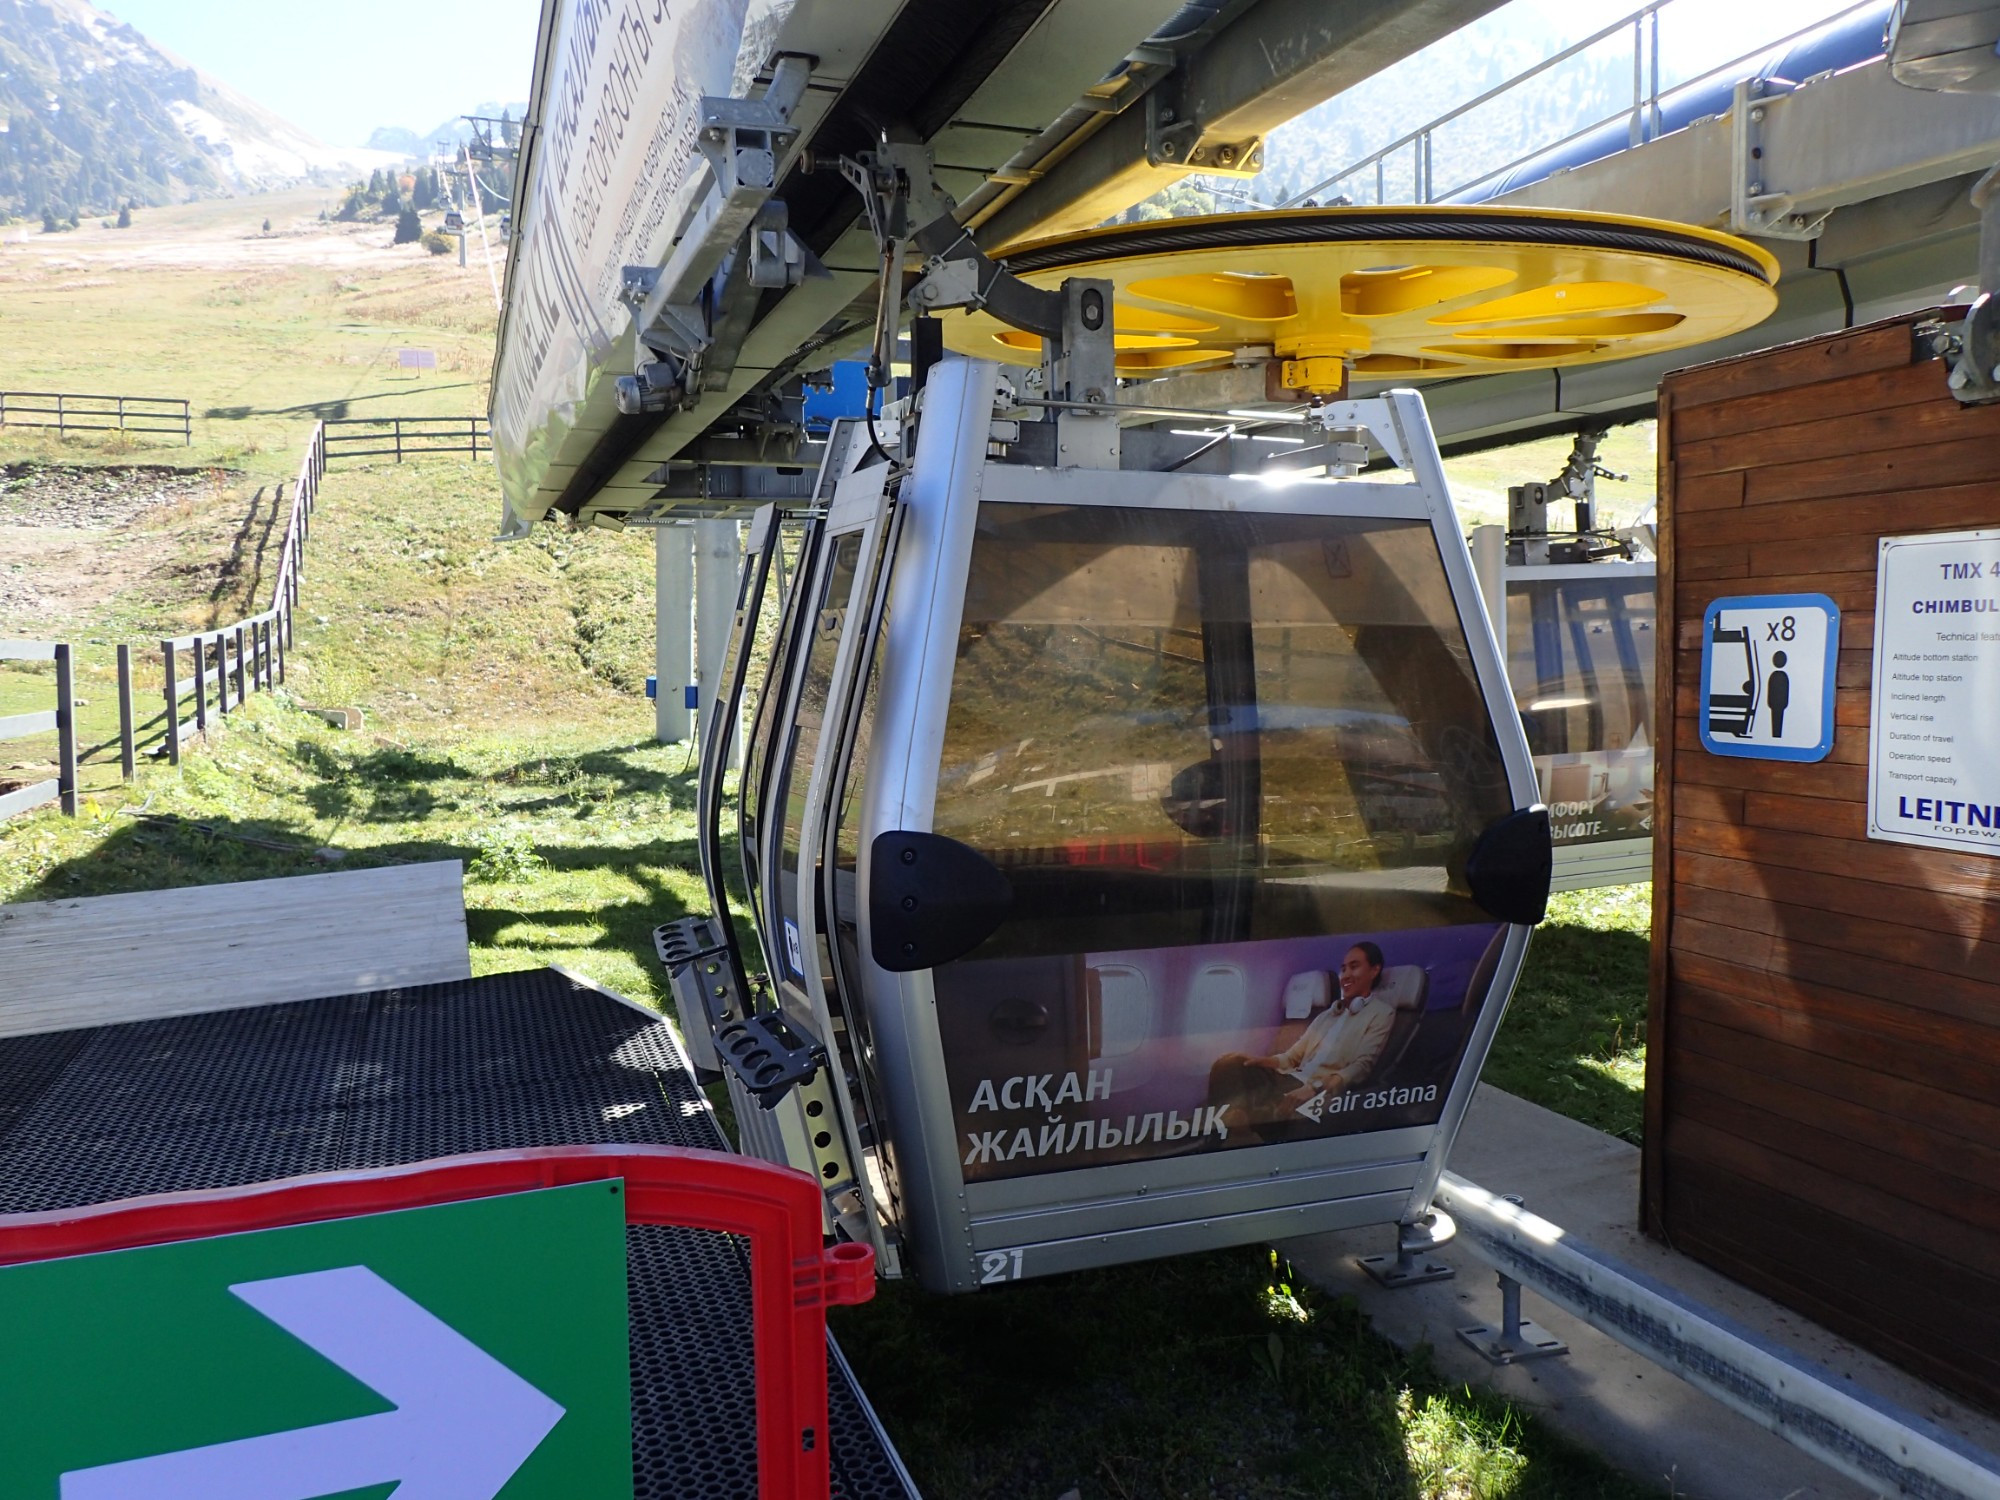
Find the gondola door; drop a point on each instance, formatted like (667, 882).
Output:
(833, 638)
(1250, 810)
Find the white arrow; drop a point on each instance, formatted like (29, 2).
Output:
(463, 1424)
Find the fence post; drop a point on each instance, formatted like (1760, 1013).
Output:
(239, 667)
(397, 422)
(66, 725)
(128, 759)
(187, 424)
(284, 625)
(221, 673)
(61, 430)
(199, 652)
(174, 702)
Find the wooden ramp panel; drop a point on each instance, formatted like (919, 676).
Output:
(1823, 1058)
(101, 960)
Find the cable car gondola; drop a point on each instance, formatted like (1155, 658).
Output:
(1139, 837)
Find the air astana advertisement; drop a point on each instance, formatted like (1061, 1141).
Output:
(1070, 1061)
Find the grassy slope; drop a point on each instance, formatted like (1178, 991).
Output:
(504, 726)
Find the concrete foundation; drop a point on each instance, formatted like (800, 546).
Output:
(1649, 1423)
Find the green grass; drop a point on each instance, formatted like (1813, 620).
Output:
(1574, 1039)
(1214, 1375)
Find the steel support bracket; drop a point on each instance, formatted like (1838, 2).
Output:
(1080, 367)
(1176, 137)
(742, 142)
(779, 258)
(1756, 205)
(1413, 1264)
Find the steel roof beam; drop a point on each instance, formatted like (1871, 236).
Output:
(1274, 61)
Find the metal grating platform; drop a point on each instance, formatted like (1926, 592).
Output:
(526, 1059)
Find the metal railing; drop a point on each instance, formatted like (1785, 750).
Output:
(1892, 1451)
(406, 437)
(67, 412)
(241, 658)
(61, 719)
(1642, 114)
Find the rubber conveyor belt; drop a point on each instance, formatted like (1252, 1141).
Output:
(525, 1059)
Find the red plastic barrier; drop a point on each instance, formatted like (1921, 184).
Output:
(793, 1277)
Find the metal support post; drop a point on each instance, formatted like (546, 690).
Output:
(673, 586)
(1489, 564)
(717, 567)
(1413, 1264)
(1516, 1339)
(128, 762)
(66, 724)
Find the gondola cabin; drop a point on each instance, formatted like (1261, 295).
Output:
(1144, 854)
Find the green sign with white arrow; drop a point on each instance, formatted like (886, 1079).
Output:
(472, 1351)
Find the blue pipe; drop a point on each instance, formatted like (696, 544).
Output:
(1832, 48)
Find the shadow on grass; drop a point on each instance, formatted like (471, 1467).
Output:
(1579, 1009)
(324, 411)
(391, 784)
(162, 854)
(1210, 1375)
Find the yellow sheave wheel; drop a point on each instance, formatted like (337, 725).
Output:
(1397, 292)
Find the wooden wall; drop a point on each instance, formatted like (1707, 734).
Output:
(1823, 1058)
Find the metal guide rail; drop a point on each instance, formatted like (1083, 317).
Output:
(504, 1062)
(1891, 1449)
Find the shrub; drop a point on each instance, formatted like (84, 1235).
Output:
(125, 217)
(437, 244)
(502, 855)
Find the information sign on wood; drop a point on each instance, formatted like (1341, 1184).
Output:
(1934, 753)
(1767, 669)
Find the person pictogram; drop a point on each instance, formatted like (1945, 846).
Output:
(1778, 693)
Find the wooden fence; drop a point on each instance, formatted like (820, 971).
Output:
(167, 416)
(406, 437)
(227, 664)
(61, 719)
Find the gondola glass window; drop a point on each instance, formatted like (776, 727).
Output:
(1217, 755)
(1581, 658)
(822, 645)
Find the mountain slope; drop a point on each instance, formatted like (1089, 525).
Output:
(92, 115)
(452, 134)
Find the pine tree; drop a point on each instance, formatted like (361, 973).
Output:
(409, 228)
(125, 216)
